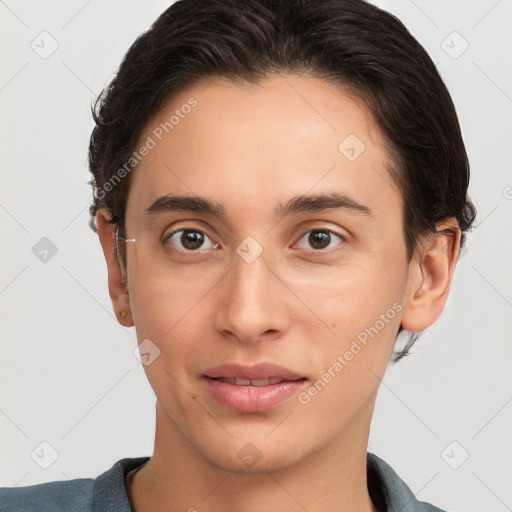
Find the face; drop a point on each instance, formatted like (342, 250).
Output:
(294, 257)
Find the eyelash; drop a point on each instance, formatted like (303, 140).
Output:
(216, 245)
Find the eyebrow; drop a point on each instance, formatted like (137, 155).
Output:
(171, 203)
(296, 205)
(320, 202)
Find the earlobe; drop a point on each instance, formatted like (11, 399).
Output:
(430, 276)
(117, 287)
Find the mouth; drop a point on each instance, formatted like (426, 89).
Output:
(254, 388)
(254, 382)
(256, 372)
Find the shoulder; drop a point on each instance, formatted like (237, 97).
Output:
(387, 488)
(76, 495)
(105, 493)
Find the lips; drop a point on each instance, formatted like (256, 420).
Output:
(251, 382)
(254, 388)
(258, 371)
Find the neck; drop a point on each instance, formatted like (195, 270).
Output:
(178, 478)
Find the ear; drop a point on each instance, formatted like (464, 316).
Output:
(430, 276)
(116, 275)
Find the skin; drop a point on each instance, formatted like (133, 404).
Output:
(250, 148)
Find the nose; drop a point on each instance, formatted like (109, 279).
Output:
(253, 302)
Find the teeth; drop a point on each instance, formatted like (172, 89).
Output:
(229, 381)
(261, 382)
(253, 382)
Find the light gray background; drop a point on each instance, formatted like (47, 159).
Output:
(68, 373)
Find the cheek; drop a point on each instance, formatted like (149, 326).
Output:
(362, 330)
(354, 358)
(354, 297)
(360, 309)
(159, 304)
(166, 314)
(173, 320)
(153, 311)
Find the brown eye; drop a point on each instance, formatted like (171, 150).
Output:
(320, 239)
(190, 240)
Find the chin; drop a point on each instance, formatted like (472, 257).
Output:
(251, 458)
(264, 465)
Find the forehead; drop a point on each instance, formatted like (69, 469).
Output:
(245, 144)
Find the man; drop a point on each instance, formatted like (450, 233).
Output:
(280, 189)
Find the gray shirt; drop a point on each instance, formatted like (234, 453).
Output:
(107, 492)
